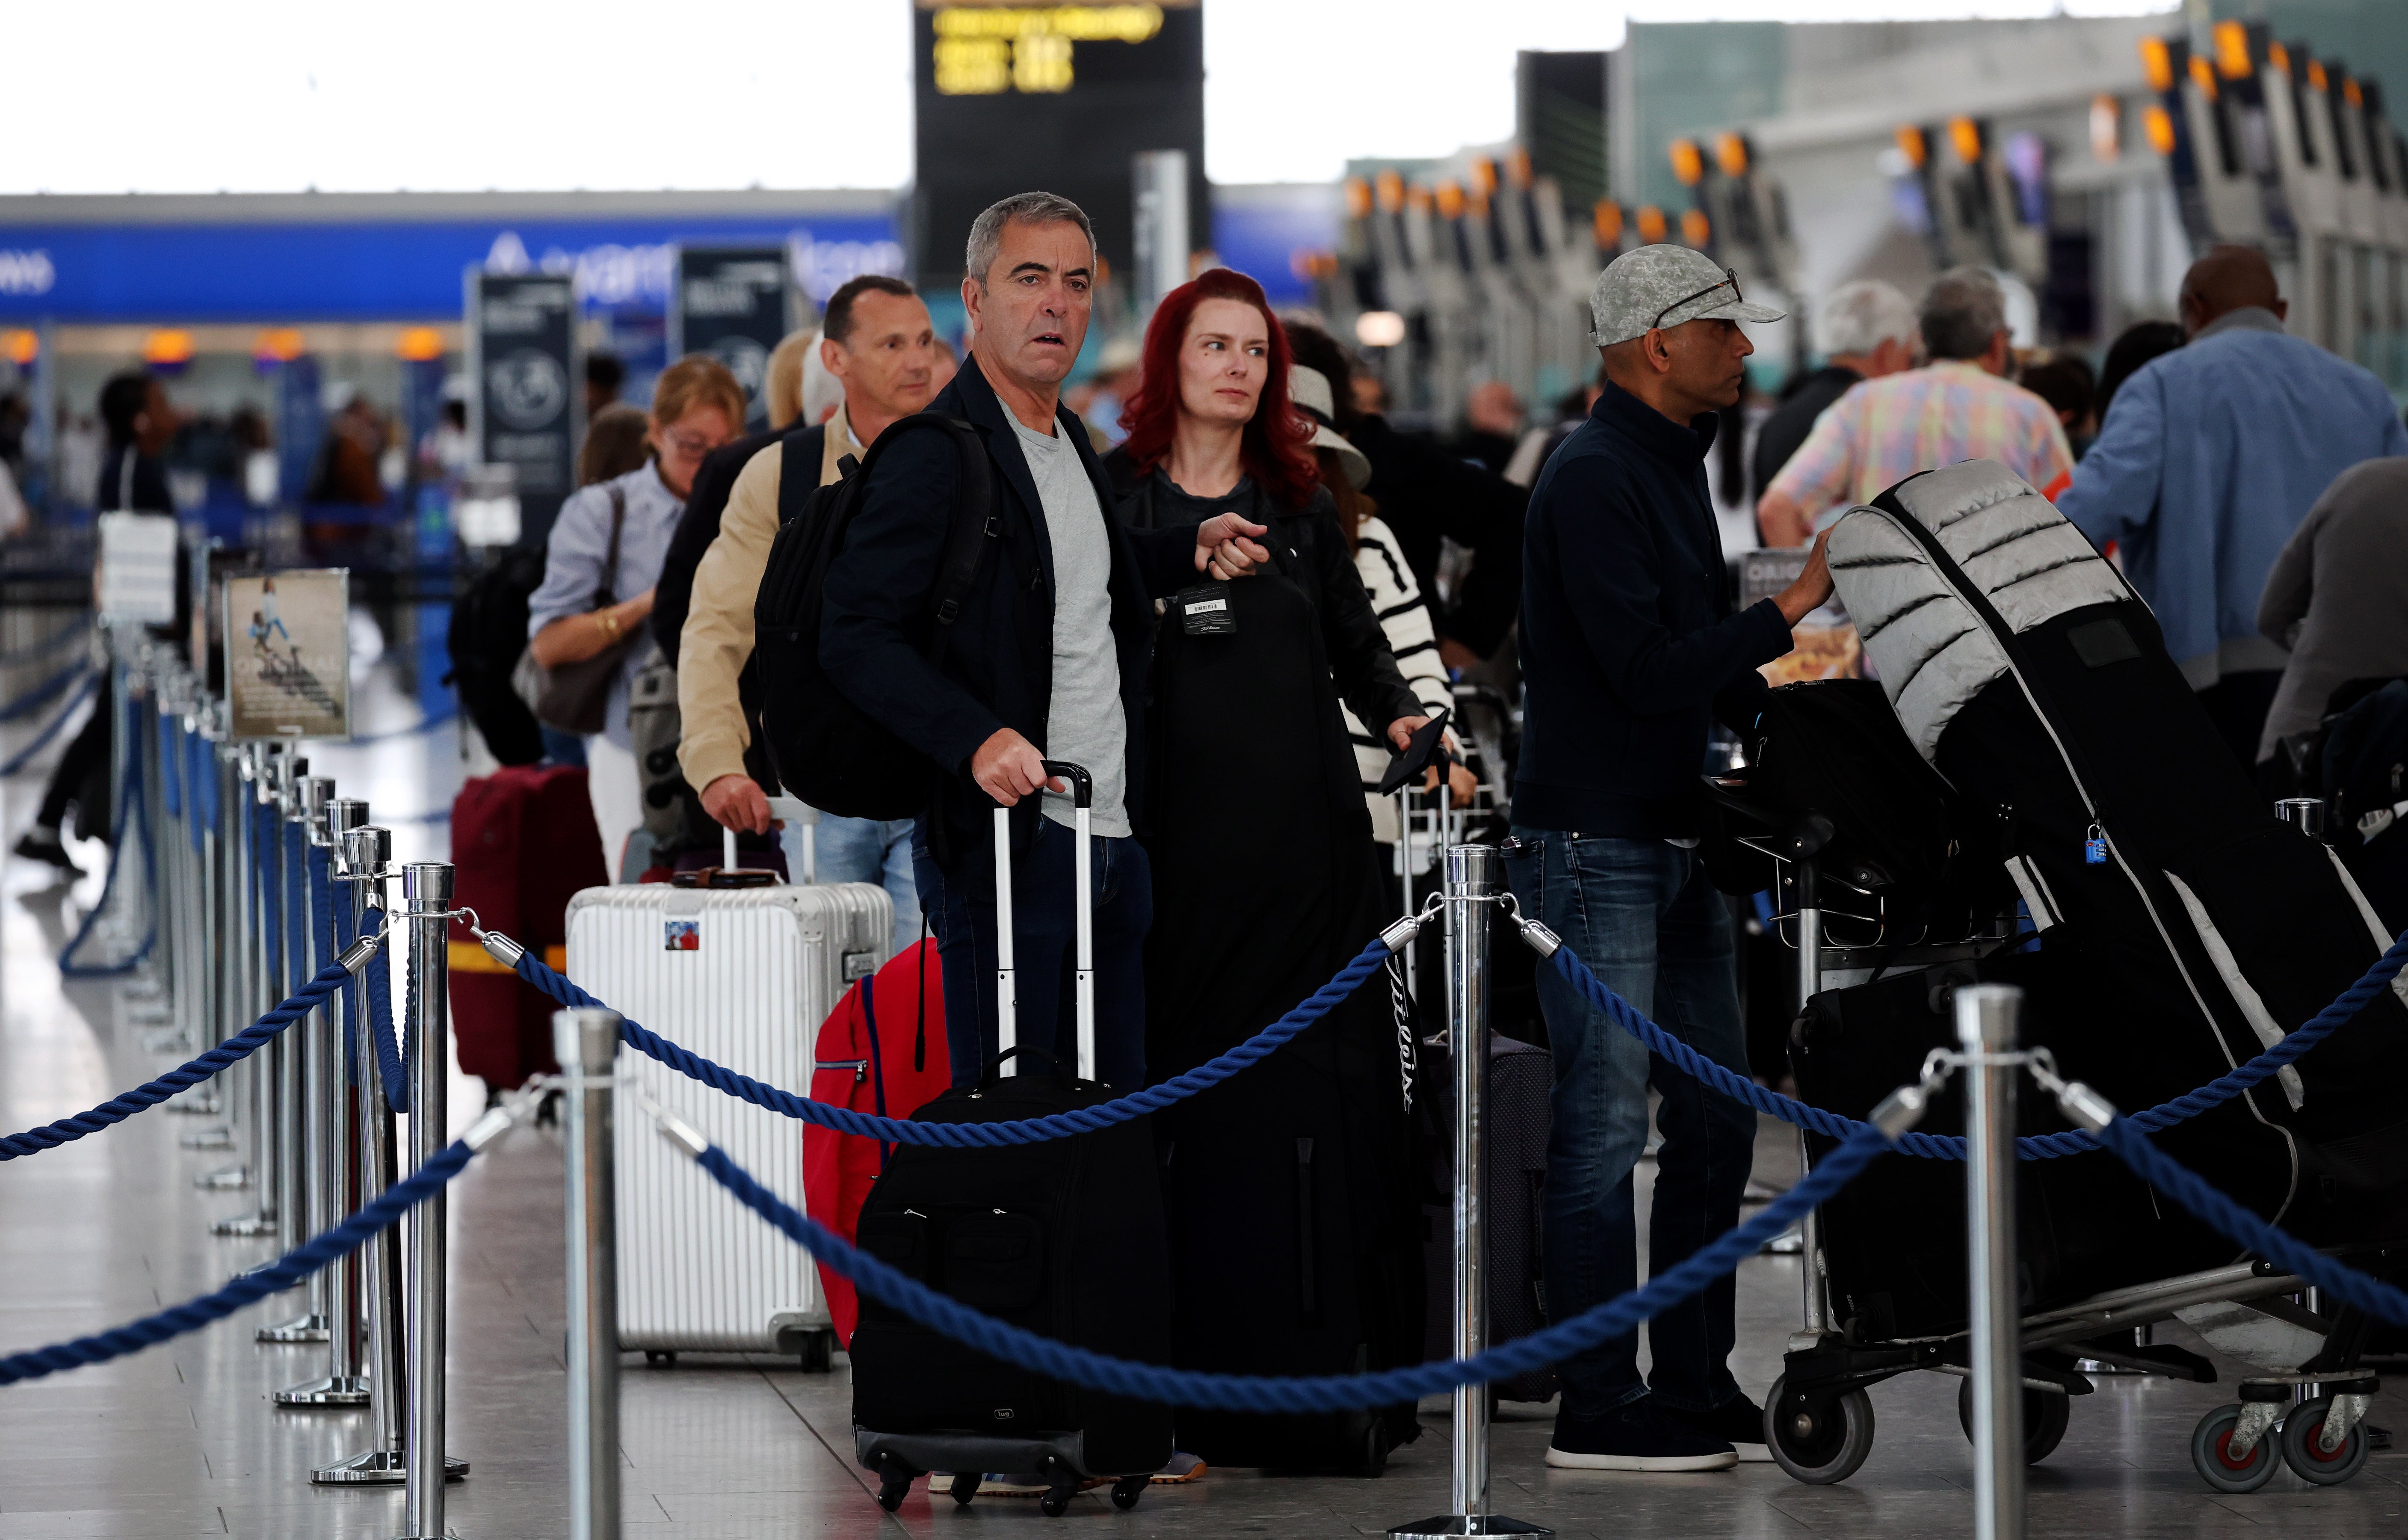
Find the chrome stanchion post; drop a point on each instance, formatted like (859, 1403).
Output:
(213, 937)
(426, 895)
(586, 1042)
(1986, 1030)
(242, 988)
(1814, 1315)
(365, 861)
(325, 1121)
(1475, 877)
(288, 968)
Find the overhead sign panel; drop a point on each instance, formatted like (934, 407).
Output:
(731, 303)
(1012, 98)
(527, 398)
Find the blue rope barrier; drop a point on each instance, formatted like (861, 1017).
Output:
(56, 641)
(1930, 1147)
(276, 1276)
(389, 1078)
(57, 725)
(1024, 1131)
(2164, 1173)
(1316, 1393)
(48, 690)
(234, 1050)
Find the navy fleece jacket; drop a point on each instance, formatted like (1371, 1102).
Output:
(1628, 640)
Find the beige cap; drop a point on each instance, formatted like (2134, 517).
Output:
(1309, 390)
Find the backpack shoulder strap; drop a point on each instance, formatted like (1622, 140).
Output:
(798, 473)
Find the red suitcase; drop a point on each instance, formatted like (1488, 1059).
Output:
(524, 841)
(881, 1050)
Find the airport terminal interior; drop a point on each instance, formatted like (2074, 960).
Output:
(1827, 590)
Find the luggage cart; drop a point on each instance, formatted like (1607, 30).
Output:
(2305, 1406)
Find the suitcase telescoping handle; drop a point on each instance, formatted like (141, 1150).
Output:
(1006, 995)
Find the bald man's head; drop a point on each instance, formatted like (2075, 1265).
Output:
(2228, 278)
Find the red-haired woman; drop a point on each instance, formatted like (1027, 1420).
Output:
(1290, 1186)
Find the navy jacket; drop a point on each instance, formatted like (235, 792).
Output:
(1628, 640)
(999, 665)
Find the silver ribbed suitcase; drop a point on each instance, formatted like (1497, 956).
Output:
(742, 976)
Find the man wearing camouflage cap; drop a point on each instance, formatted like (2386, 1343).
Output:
(1628, 645)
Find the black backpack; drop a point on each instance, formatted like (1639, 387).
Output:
(825, 749)
(488, 633)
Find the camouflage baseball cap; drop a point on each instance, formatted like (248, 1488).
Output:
(1664, 286)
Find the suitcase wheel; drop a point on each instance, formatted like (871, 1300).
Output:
(1062, 1484)
(818, 1352)
(658, 1356)
(966, 1486)
(894, 1482)
(1127, 1490)
(1375, 1448)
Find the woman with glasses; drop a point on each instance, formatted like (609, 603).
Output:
(604, 555)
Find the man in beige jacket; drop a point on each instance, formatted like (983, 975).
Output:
(877, 339)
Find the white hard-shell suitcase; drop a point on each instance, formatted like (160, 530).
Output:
(743, 976)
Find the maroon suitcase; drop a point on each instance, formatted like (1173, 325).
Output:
(524, 841)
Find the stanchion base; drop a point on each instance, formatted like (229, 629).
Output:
(1448, 1524)
(350, 1391)
(300, 1329)
(214, 1139)
(378, 1467)
(245, 1225)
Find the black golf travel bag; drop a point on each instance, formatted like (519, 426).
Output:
(1064, 1238)
(2181, 928)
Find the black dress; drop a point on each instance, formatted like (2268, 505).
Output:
(1295, 1243)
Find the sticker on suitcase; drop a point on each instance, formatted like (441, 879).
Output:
(681, 935)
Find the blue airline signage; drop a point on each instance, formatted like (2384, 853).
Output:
(391, 269)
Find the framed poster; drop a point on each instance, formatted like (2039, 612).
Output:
(1825, 644)
(288, 653)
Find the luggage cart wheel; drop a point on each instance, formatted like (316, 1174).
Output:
(2303, 1448)
(966, 1486)
(2045, 1415)
(818, 1352)
(1127, 1490)
(2210, 1453)
(1818, 1444)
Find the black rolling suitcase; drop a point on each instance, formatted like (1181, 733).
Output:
(2182, 928)
(1516, 1116)
(1064, 1237)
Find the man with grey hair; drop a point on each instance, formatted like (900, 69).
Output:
(1961, 406)
(1630, 647)
(1864, 331)
(1045, 656)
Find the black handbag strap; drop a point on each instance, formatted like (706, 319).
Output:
(605, 591)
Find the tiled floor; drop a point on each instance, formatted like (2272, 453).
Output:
(181, 1440)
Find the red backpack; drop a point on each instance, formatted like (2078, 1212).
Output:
(883, 1051)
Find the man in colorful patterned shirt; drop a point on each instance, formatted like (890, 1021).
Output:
(1957, 407)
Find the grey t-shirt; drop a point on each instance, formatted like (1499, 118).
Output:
(1084, 721)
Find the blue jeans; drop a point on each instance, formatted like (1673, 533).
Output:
(960, 908)
(1642, 916)
(865, 850)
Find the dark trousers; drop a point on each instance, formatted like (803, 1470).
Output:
(84, 756)
(959, 900)
(1642, 916)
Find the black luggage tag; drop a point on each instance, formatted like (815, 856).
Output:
(2094, 849)
(1204, 610)
(1426, 748)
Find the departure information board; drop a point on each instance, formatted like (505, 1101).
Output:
(1012, 98)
